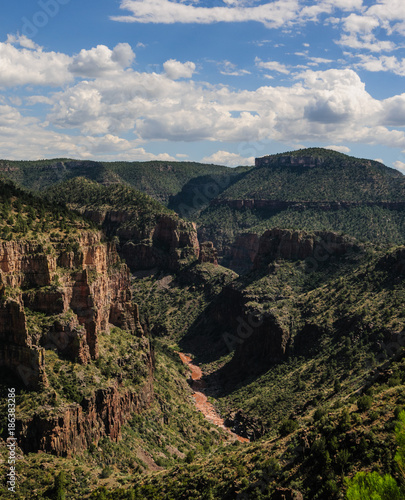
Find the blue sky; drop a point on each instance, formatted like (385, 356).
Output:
(221, 82)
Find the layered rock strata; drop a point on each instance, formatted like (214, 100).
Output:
(82, 291)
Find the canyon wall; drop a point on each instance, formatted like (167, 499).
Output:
(72, 428)
(165, 244)
(60, 297)
(251, 251)
(82, 291)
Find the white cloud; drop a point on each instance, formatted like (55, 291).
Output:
(22, 41)
(399, 165)
(360, 24)
(22, 66)
(274, 14)
(100, 60)
(272, 66)
(228, 159)
(330, 105)
(230, 69)
(176, 70)
(340, 149)
(393, 113)
(97, 117)
(382, 63)
(366, 42)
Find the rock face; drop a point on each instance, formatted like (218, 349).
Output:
(78, 292)
(261, 339)
(77, 426)
(243, 251)
(301, 161)
(208, 253)
(249, 251)
(86, 289)
(166, 245)
(292, 245)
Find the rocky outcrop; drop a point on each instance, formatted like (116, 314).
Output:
(208, 253)
(242, 425)
(168, 243)
(70, 429)
(81, 290)
(19, 350)
(296, 161)
(298, 245)
(251, 251)
(243, 251)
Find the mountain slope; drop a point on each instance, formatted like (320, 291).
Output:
(318, 175)
(160, 180)
(313, 189)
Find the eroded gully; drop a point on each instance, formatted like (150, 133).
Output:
(201, 400)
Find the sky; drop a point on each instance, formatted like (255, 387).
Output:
(219, 82)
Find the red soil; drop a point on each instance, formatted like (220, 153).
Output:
(201, 400)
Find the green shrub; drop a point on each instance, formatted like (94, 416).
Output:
(372, 486)
(364, 403)
(288, 426)
(106, 472)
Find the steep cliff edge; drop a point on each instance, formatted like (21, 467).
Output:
(58, 301)
(251, 251)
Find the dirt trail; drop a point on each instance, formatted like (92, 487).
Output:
(201, 400)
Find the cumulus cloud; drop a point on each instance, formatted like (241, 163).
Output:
(22, 66)
(100, 60)
(23, 138)
(98, 116)
(228, 159)
(365, 29)
(330, 104)
(176, 70)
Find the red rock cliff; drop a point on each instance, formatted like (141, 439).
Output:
(84, 291)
